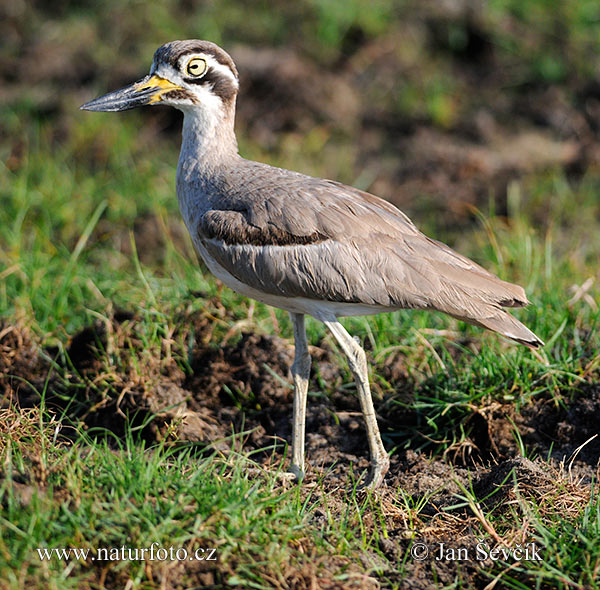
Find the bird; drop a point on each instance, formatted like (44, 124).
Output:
(307, 245)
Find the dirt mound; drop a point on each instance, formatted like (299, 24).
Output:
(242, 374)
(114, 374)
(561, 428)
(114, 371)
(24, 372)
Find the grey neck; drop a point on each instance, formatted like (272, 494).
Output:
(208, 140)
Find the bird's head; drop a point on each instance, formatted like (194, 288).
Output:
(184, 74)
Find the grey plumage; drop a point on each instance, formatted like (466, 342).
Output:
(306, 245)
(292, 235)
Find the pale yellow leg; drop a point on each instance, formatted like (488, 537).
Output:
(301, 375)
(357, 361)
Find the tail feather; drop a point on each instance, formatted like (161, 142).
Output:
(506, 324)
(453, 284)
(477, 296)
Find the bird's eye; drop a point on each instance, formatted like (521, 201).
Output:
(196, 66)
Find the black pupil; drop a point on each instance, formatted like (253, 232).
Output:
(195, 67)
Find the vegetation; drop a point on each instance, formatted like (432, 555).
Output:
(124, 420)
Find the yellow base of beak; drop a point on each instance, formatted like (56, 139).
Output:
(161, 85)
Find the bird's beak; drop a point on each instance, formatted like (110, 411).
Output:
(148, 90)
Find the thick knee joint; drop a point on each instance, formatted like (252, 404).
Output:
(359, 359)
(301, 364)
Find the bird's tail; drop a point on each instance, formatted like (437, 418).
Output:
(498, 320)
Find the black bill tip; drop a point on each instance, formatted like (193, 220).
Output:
(135, 95)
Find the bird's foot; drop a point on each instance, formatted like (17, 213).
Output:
(295, 473)
(292, 476)
(377, 472)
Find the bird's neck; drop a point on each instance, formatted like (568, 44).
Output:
(208, 140)
(208, 150)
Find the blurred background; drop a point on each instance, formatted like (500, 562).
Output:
(455, 110)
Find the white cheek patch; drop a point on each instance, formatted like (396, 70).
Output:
(211, 105)
(222, 69)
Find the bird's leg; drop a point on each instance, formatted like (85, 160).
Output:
(301, 374)
(357, 360)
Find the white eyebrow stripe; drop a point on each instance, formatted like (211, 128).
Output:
(212, 63)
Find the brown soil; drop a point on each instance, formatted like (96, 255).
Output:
(244, 387)
(23, 370)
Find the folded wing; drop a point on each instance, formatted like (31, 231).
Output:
(308, 237)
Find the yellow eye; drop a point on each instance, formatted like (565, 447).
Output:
(196, 66)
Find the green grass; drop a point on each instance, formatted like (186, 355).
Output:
(99, 496)
(78, 193)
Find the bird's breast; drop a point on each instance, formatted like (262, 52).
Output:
(193, 194)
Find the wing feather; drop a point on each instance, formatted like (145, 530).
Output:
(294, 235)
